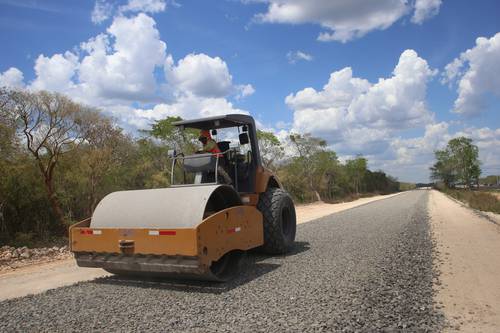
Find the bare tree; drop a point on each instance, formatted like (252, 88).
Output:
(271, 149)
(51, 125)
(104, 150)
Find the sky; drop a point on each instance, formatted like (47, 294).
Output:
(392, 80)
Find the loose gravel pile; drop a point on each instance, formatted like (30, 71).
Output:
(365, 269)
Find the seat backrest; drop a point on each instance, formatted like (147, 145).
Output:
(223, 145)
(199, 163)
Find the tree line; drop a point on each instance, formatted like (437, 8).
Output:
(58, 158)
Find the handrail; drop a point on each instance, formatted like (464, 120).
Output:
(194, 156)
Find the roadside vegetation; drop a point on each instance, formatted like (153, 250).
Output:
(480, 200)
(59, 158)
(457, 172)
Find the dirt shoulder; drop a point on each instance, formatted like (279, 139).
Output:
(39, 277)
(468, 244)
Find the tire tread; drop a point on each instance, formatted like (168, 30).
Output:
(269, 205)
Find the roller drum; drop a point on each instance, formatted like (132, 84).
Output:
(175, 207)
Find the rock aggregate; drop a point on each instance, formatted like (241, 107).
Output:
(12, 257)
(362, 270)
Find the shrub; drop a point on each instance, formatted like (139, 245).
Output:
(478, 200)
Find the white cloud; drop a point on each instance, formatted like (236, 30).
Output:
(476, 71)
(425, 9)
(105, 9)
(145, 6)
(452, 71)
(244, 90)
(488, 142)
(121, 63)
(347, 103)
(356, 116)
(102, 11)
(295, 56)
(116, 65)
(397, 102)
(420, 149)
(55, 73)
(187, 106)
(344, 20)
(411, 158)
(200, 75)
(12, 78)
(120, 71)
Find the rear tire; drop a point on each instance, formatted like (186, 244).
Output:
(280, 223)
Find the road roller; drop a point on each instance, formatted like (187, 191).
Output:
(219, 205)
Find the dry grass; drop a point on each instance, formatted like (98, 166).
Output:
(488, 202)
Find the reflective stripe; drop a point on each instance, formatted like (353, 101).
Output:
(233, 230)
(90, 232)
(162, 232)
(167, 233)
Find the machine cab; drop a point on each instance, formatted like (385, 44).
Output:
(236, 163)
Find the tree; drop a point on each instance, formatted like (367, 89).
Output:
(465, 156)
(8, 139)
(326, 172)
(459, 161)
(8, 145)
(51, 125)
(105, 148)
(270, 148)
(444, 169)
(151, 164)
(173, 137)
(307, 147)
(356, 169)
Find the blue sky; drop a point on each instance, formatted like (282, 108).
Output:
(194, 58)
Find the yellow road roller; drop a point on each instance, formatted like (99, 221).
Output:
(220, 205)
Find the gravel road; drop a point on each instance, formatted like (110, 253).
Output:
(364, 269)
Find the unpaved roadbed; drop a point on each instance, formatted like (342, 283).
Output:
(469, 253)
(366, 269)
(310, 212)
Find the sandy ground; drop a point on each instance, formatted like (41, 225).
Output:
(496, 194)
(469, 260)
(41, 277)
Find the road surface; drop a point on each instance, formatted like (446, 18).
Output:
(367, 268)
(37, 278)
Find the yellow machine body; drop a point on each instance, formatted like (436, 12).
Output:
(198, 230)
(165, 247)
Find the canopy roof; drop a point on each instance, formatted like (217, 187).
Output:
(224, 121)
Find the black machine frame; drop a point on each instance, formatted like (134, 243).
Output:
(227, 121)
